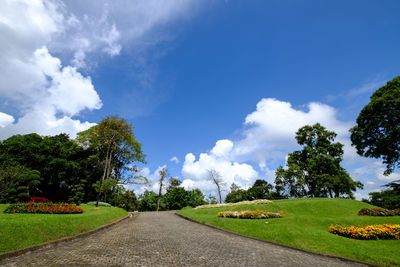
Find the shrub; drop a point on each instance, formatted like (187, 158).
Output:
(101, 204)
(379, 212)
(49, 207)
(369, 232)
(253, 202)
(247, 214)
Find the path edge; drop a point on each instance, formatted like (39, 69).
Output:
(56, 242)
(277, 244)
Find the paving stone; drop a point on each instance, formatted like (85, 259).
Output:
(164, 239)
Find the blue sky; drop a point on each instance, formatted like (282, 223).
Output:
(187, 74)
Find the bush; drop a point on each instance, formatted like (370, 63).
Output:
(379, 212)
(369, 232)
(49, 207)
(101, 204)
(247, 214)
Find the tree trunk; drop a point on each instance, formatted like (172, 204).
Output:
(219, 193)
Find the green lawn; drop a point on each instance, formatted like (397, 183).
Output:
(305, 225)
(24, 230)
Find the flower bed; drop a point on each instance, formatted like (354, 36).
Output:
(258, 201)
(369, 232)
(379, 212)
(48, 207)
(249, 214)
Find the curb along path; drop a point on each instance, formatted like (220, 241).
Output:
(164, 239)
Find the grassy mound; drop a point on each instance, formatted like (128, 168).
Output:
(24, 230)
(306, 226)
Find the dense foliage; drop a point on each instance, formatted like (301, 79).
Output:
(261, 189)
(377, 133)
(175, 198)
(315, 171)
(388, 199)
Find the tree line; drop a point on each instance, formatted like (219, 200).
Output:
(101, 160)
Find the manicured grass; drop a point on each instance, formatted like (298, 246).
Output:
(305, 225)
(24, 230)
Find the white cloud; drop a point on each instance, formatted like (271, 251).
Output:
(174, 159)
(195, 171)
(43, 44)
(271, 129)
(5, 119)
(268, 137)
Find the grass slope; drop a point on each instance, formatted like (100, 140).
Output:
(306, 224)
(24, 230)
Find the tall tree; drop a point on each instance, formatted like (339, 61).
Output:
(377, 133)
(216, 178)
(117, 148)
(163, 174)
(260, 190)
(315, 170)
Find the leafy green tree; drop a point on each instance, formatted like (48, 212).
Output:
(176, 198)
(116, 148)
(61, 162)
(9, 177)
(109, 190)
(377, 133)
(315, 170)
(195, 198)
(148, 201)
(236, 194)
(78, 193)
(128, 201)
(388, 199)
(260, 190)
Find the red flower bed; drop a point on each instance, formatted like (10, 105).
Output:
(48, 207)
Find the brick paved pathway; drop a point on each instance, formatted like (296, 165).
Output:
(164, 239)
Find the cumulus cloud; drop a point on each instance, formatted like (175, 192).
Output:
(5, 119)
(267, 138)
(271, 129)
(195, 171)
(43, 46)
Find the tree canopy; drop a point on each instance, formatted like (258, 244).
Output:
(315, 170)
(377, 133)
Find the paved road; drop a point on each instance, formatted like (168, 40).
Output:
(164, 239)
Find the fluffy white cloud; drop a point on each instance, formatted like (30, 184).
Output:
(271, 129)
(5, 119)
(268, 137)
(195, 171)
(44, 43)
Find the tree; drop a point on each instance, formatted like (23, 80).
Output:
(9, 177)
(163, 174)
(236, 194)
(377, 133)
(148, 201)
(260, 190)
(117, 149)
(315, 170)
(128, 201)
(216, 178)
